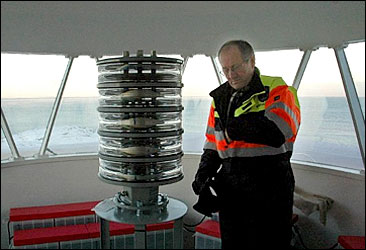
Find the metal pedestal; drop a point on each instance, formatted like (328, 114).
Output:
(108, 211)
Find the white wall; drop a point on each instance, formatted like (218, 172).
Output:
(347, 215)
(74, 179)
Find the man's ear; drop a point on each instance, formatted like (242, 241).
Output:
(252, 61)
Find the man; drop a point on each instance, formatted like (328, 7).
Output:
(252, 126)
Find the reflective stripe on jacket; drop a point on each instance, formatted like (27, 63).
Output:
(277, 101)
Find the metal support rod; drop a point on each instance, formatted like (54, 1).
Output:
(301, 69)
(216, 68)
(105, 242)
(9, 138)
(352, 98)
(185, 61)
(55, 108)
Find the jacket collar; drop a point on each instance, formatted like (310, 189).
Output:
(255, 85)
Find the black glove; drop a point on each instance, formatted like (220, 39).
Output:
(207, 203)
(210, 163)
(199, 183)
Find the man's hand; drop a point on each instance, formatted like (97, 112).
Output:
(198, 185)
(210, 163)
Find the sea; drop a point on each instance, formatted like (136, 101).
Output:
(326, 133)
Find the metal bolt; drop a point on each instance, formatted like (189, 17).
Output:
(124, 193)
(140, 53)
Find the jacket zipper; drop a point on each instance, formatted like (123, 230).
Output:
(228, 114)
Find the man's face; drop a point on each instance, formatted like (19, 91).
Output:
(237, 71)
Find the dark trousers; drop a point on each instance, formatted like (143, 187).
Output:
(256, 205)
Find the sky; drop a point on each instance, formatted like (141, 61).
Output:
(35, 76)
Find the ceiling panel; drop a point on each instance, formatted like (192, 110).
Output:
(175, 27)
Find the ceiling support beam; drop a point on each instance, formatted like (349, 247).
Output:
(9, 138)
(55, 108)
(352, 99)
(301, 69)
(217, 71)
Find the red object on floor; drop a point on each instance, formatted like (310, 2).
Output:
(77, 232)
(52, 211)
(209, 227)
(50, 234)
(114, 229)
(160, 226)
(352, 242)
(212, 228)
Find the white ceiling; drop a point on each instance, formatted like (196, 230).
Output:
(173, 27)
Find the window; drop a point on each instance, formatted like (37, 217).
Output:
(326, 134)
(283, 63)
(76, 125)
(29, 84)
(355, 53)
(199, 79)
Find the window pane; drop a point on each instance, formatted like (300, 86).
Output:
(326, 132)
(5, 150)
(29, 84)
(27, 119)
(283, 63)
(75, 128)
(356, 59)
(195, 116)
(199, 79)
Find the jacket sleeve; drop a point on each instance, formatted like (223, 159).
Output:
(255, 128)
(278, 123)
(208, 166)
(210, 160)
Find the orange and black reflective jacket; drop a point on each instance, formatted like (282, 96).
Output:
(262, 119)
